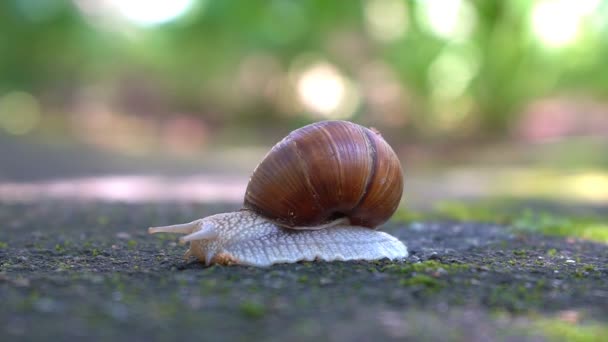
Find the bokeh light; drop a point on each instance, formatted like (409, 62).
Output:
(144, 13)
(151, 12)
(451, 72)
(447, 19)
(322, 89)
(557, 23)
(386, 20)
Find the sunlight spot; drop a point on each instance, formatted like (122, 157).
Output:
(589, 185)
(114, 15)
(322, 89)
(586, 185)
(151, 12)
(557, 23)
(447, 19)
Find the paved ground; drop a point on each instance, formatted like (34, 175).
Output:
(71, 269)
(89, 270)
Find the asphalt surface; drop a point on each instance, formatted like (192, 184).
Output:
(74, 270)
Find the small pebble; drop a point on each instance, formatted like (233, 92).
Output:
(416, 226)
(414, 259)
(570, 261)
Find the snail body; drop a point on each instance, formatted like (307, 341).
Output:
(246, 238)
(319, 194)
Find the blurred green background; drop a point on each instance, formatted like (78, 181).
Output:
(515, 93)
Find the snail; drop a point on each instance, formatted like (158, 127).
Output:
(319, 194)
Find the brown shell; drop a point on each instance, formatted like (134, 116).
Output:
(324, 171)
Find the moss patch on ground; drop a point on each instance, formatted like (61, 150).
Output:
(508, 212)
(427, 274)
(561, 330)
(595, 229)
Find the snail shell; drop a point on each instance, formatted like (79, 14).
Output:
(324, 171)
(313, 197)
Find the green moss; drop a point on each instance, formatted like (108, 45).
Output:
(559, 330)
(426, 266)
(132, 243)
(584, 271)
(59, 248)
(585, 228)
(517, 297)
(520, 252)
(486, 212)
(3, 245)
(252, 309)
(62, 266)
(405, 215)
(589, 268)
(422, 280)
(552, 252)
(424, 274)
(503, 212)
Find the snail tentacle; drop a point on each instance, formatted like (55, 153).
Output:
(207, 232)
(184, 228)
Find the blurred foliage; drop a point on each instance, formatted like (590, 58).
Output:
(471, 65)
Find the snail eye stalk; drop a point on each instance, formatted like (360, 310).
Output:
(185, 228)
(207, 232)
